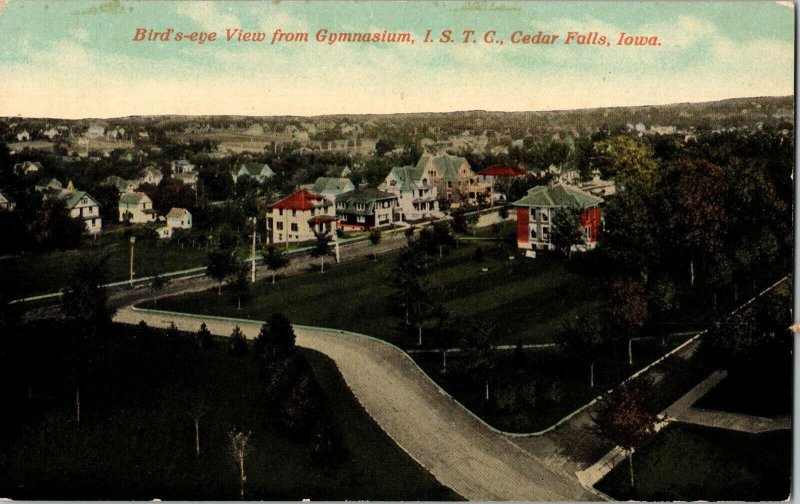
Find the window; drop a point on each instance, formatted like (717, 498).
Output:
(533, 213)
(544, 215)
(586, 231)
(280, 226)
(360, 218)
(533, 234)
(294, 213)
(546, 232)
(280, 211)
(392, 183)
(293, 226)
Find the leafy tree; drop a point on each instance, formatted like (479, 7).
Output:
(383, 145)
(85, 300)
(565, 231)
(221, 264)
(276, 337)
(406, 277)
(624, 418)
(237, 343)
(628, 309)
(479, 358)
(583, 339)
(322, 247)
(274, 259)
(375, 237)
(241, 285)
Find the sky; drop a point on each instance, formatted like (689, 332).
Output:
(78, 59)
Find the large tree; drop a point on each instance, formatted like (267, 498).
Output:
(584, 338)
(565, 231)
(274, 259)
(221, 264)
(321, 248)
(625, 419)
(627, 309)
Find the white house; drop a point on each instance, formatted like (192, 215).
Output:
(95, 131)
(122, 185)
(164, 232)
(51, 133)
(46, 185)
(299, 216)
(258, 171)
(183, 170)
(23, 136)
(179, 218)
(82, 206)
(151, 175)
(136, 208)
(365, 208)
(27, 167)
(415, 191)
(6, 202)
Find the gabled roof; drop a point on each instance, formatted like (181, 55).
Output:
(446, 165)
(5, 198)
(558, 196)
(133, 198)
(346, 202)
(49, 183)
(177, 213)
(72, 198)
(299, 200)
(332, 185)
(256, 169)
(502, 171)
(410, 177)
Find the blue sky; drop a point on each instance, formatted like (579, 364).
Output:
(77, 58)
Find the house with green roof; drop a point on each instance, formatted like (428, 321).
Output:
(258, 171)
(365, 208)
(136, 208)
(416, 194)
(535, 212)
(330, 187)
(81, 205)
(454, 179)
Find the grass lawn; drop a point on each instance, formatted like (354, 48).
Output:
(529, 298)
(764, 393)
(136, 440)
(533, 390)
(688, 462)
(45, 273)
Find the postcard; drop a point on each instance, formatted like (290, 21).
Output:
(396, 251)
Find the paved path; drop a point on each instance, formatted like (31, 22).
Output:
(735, 421)
(459, 450)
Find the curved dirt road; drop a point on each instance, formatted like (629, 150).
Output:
(461, 452)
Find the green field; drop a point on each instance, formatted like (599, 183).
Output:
(529, 298)
(46, 273)
(688, 462)
(136, 438)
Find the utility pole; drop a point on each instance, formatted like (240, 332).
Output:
(132, 241)
(253, 254)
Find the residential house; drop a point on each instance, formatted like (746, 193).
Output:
(179, 218)
(51, 185)
(95, 131)
(498, 177)
(183, 170)
(299, 216)
(51, 133)
(339, 172)
(365, 208)
(536, 210)
(164, 232)
(330, 187)
(7, 203)
(136, 208)
(81, 205)
(454, 179)
(151, 175)
(597, 186)
(23, 136)
(415, 191)
(122, 185)
(258, 171)
(27, 167)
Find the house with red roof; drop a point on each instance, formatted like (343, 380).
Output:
(297, 217)
(498, 177)
(536, 210)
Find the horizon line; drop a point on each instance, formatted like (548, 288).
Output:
(442, 112)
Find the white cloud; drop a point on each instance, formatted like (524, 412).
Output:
(208, 15)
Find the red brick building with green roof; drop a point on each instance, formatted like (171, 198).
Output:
(535, 213)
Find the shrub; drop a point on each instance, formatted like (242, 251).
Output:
(237, 344)
(554, 394)
(204, 339)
